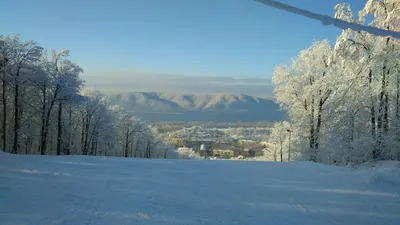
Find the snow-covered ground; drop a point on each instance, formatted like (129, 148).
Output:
(104, 191)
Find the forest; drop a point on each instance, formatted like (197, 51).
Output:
(47, 110)
(343, 99)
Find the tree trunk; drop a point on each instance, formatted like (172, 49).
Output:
(398, 97)
(96, 143)
(43, 148)
(94, 131)
(28, 145)
(398, 108)
(93, 144)
(373, 119)
(68, 144)
(148, 150)
(132, 146)
(352, 127)
(318, 128)
(86, 140)
(126, 143)
(376, 153)
(386, 110)
(281, 141)
(136, 148)
(59, 128)
(108, 147)
(51, 141)
(312, 132)
(4, 98)
(372, 111)
(44, 93)
(386, 115)
(43, 145)
(83, 135)
(15, 147)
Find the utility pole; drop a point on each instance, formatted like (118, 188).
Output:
(274, 151)
(290, 138)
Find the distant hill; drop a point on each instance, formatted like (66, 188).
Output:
(155, 107)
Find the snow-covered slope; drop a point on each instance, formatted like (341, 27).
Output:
(94, 190)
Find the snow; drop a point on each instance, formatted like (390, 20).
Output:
(327, 20)
(106, 190)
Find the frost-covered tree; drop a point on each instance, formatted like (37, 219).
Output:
(304, 90)
(59, 83)
(131, 130)
(279, 138)
(18, 64)
(343, 24)
(347, 95)
(372, 62)
(184, 153)
(45, 111)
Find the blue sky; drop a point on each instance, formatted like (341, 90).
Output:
(235, 38)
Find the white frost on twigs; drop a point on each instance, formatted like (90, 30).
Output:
(327, 20)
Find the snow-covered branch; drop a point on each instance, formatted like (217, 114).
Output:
(327, 20)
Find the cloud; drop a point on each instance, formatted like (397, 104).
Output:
(151, 82)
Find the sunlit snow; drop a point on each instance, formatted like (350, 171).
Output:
(99, 190)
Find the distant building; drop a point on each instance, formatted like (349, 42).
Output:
(249, 152)
(224, 153)
(185, 149)
(196, 144)
(176, 140)
(246, 142)
(206, 153)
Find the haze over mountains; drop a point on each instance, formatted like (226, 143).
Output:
(158, 97)
(115, 82)
(157, 106)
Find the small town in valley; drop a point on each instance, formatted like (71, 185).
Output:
(217, 143)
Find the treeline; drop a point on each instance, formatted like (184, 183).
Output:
(45, 109)
(343, 99)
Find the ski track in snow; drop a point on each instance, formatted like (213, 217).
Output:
(104, 191)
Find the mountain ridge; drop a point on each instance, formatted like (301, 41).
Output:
(202, 107)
